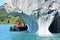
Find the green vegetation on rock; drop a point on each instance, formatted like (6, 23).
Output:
(7, 18)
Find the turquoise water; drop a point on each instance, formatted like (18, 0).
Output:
(5, 34)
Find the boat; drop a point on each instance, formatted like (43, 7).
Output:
(13, 28)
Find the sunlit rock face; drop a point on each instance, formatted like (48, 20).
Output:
(42, 11)
(27, 6)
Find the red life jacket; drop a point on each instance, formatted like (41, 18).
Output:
(18, 24)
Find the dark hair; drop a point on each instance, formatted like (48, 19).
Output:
(23, 22)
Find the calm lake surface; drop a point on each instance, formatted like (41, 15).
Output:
(5, 34)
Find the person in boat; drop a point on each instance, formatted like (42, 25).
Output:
(18, 24)
(22, 24)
